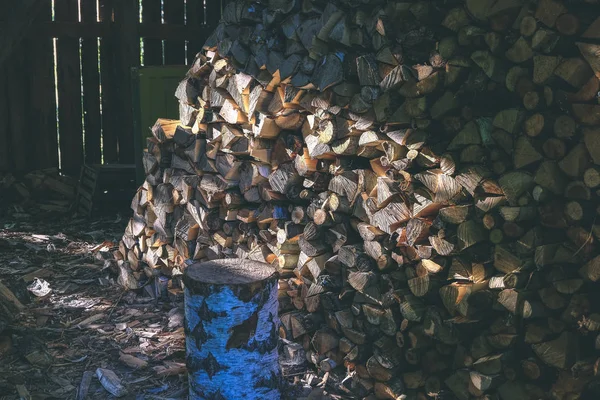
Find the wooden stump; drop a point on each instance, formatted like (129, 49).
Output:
(232, 330)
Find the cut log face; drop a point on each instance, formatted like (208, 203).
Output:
(428, 190)
(231, 323)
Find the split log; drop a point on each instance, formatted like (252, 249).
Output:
(378, 161)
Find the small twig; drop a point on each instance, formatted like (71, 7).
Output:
(296, 374)
(116, 304)
(28, 329)
(588, 238)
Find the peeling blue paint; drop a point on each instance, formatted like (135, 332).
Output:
(485, 130)
(280, 212)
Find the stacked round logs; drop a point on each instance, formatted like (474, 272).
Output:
(424, 174)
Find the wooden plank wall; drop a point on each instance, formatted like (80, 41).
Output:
(66, 88)
(90, 80)
(42, 96)
(69, 91)
(151, 12)
(108, 76)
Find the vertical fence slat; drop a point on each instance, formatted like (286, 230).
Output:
(91, 88)
(30, 139)
(69, 92)
(213, 13)
(174, 49)
(151, 13)
(126, 21)
(18, 91)
(195, 18)
(108, 76)
(42, 107)
(5, 153)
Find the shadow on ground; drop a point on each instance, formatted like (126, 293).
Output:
(76, 319)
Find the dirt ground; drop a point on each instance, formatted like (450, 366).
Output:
(77, 319)
(86, 321)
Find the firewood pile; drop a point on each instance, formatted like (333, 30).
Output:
(423, 174)
(37, 192)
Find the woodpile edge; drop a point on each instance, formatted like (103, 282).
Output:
(424, 175)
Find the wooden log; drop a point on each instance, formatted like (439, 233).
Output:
(560, 353)
(369, 173)
(252, 328)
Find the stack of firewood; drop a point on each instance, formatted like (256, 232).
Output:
(425, 175)
(40, 191)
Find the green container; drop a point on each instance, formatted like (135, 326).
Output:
(153, 92)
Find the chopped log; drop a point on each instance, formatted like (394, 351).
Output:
(590, 138)
(378, 161)
(560, 353)
(254, 332)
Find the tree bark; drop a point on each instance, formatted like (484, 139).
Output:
(232, 330)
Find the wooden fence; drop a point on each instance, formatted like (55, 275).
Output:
(65, 90)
